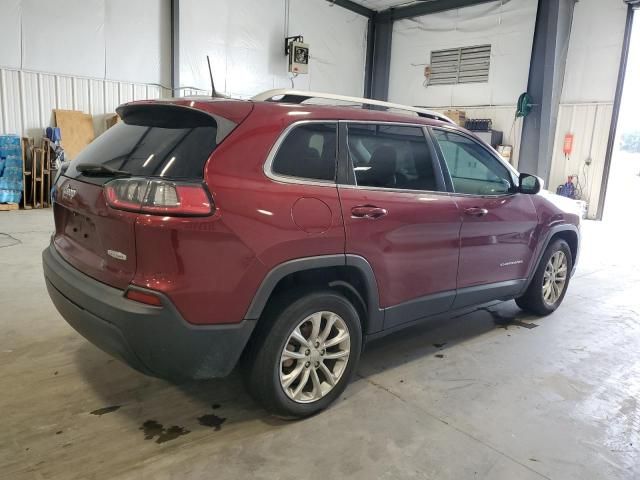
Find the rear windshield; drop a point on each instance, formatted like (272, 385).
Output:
(157, 140)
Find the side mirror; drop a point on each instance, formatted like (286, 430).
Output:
(530, 184)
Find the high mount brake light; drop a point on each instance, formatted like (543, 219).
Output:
(158, 197)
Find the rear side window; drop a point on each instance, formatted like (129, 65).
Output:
(308, 151)
(156, 140)
(391, 156)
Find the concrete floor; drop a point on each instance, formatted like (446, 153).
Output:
(555, 397)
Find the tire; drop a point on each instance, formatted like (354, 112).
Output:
(537, 298)
(267, 373)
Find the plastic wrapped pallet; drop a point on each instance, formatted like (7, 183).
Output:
(10, 169)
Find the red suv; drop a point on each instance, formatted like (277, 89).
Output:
(198, 234)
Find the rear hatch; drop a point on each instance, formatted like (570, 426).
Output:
(151, 162)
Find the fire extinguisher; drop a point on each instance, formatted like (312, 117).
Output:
(567, 148)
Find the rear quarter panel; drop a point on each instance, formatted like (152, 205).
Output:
(213, 266)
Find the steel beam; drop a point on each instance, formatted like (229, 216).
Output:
(175, 47)
(546, 76)
(426, 8)
(354, 7)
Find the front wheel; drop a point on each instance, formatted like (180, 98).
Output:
(550, 281)
(306, 356)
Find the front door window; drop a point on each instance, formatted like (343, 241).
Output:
(472, 168)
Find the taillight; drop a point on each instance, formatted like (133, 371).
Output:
(158, 197)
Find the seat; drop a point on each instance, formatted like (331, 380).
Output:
(382, 168)
(316, 166)
(297, 159)
(426, 179)
(328, 158)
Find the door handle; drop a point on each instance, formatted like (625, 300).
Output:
(368, 211)
(476, 211)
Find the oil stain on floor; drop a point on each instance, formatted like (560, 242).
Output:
(503, 321)
(212, 420)
(153, 429)
(102, 411)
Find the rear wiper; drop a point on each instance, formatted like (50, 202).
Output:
(97, 169)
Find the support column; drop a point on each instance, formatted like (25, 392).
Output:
(368, 65)
(377, 80)
(175, 48)
(546, 77)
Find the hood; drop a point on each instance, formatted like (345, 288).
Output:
(565, 204)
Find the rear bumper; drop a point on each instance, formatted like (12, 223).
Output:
(154, 340)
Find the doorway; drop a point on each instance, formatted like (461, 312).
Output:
(623, 179)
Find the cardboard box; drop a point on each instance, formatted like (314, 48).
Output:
(506, 152)
(458, 116)
(111, 120)
(76, 131)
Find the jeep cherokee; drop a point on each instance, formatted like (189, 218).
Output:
(197, 234)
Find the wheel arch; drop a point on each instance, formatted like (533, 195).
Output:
(571, 237)
(350, 275)
(567, 232)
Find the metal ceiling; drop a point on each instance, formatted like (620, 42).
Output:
(399, 9)
(379, 5)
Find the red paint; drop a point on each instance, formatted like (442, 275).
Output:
(86, 228)
(311, 215)
(413, 249)
(210, 267)
(497, 246)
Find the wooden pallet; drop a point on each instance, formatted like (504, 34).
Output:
(5, 207)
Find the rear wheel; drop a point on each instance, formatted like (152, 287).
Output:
(305, 354)
(550, 281)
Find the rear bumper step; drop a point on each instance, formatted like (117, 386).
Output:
(154, 340)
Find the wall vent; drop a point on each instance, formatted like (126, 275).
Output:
(460, 65)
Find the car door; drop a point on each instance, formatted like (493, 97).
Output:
(399, 218)
(498, 224)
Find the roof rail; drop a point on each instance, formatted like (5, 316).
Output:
(298, 96)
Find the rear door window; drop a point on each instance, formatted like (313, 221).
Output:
(309, 152)
(167, 141)
(391, 156)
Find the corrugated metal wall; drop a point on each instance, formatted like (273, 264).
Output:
(28, 98)
(590, 124)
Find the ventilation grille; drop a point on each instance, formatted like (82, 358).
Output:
(460, 65)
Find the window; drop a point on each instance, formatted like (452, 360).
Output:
(460, 65)
(472, 168)
(391, 156)
(309, 151)
(156, 141)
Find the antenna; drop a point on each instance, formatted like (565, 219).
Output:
(213, 87)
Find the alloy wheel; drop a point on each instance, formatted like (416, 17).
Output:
(314, 357)
(555, 277)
